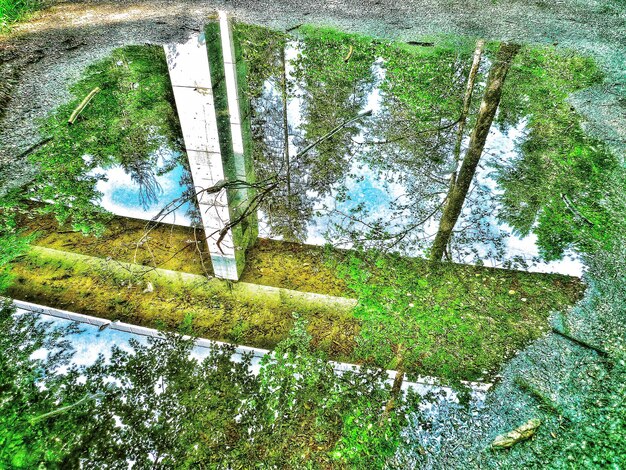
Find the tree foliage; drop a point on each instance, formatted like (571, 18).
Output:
(556, 187)
(157, 405)
(131, 122)
(31, 387)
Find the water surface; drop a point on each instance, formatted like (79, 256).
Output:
(380, 180)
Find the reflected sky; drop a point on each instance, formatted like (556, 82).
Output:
(90, 342)
(121, 195)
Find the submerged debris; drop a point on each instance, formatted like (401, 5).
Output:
(421, 43)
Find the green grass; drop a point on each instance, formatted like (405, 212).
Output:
(465, 321)
(464, 324)
(454, 321)
(12, 11)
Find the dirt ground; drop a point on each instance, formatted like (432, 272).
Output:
(40, 57)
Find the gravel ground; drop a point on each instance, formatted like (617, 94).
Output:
(40, 57)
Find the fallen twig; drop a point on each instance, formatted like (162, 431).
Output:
(579, 342)
(422, 44)
(525, 431)
(347, 58)
(82, 105)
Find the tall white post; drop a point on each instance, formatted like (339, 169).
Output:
(190, 75)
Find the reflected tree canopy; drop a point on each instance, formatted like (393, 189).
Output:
(347, 176)
(130, 124)
(382, 181)
(556, 185)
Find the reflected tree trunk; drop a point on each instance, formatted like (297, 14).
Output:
(285, 97)
(396, 388)
(467, 99)
(458, 191)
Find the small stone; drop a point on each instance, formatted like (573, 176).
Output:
(525, 431)
(524, 299)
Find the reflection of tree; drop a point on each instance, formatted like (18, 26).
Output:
(264, 52)
(424, 95)
(148, 402)
(332, 91)
(334, 76)
(131, 122)
(412, 146)
(410, 142)
(142, 174)
(556, 186)
(461, 183)
(144, 169)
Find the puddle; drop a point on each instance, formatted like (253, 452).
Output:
(380, 179)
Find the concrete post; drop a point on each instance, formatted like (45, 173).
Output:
(216, 133)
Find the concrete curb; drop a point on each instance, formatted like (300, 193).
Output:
(239, 288)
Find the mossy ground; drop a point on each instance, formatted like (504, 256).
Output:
(109, 289)
(136, 241)
(178, 248)
(484, 323)
(452, 320)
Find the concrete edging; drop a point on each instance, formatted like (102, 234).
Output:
(238, 288)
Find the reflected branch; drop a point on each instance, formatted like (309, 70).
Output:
(334, 131)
